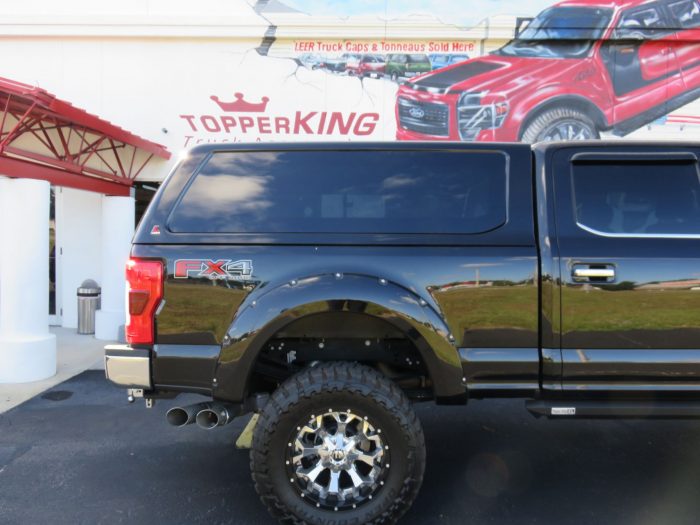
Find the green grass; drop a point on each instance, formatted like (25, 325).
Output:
(629, 309)
(583, 310)
(191, 308)
(489, 307)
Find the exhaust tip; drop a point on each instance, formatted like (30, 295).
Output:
(178, 417)
(208, 419)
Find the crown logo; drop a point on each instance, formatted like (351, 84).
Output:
(241, 105)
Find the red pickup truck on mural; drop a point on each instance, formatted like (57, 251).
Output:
(579, 68)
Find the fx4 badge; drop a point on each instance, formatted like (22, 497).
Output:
(221, 269)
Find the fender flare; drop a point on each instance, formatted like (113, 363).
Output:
(261, 316)
(568, 100)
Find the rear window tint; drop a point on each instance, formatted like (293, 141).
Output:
(638, 198)
(345, 192)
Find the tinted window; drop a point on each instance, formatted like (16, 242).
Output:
(638, 198)
(345, 192)
(640, 23)
(560, 32)
(686, 13)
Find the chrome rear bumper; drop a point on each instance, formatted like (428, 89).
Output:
(129, 367)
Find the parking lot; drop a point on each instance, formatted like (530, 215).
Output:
(80, 454)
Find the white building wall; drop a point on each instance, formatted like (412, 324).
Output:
(79, 237)
(151, 65)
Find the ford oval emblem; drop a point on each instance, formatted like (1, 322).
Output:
(416, 112)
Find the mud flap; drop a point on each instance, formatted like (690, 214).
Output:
(245, 439)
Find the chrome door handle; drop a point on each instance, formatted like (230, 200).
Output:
(593, 273)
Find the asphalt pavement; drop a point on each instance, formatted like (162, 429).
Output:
(80, 454)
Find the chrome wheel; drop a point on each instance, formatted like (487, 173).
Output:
(337, 460)
(568, 130)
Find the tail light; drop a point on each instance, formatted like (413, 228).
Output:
(144, 294)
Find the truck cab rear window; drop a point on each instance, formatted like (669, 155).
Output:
(345, 192)
(638, 198)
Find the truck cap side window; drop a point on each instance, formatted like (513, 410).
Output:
(686, 12)
(637, 197)
(646, 22)
(560, 32)
(345, 192)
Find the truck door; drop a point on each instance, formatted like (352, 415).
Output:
(641, 61)
(685, 15)
(628, 231)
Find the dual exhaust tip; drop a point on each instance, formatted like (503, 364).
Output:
(206, 415)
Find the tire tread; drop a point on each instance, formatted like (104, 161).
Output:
(336, 377)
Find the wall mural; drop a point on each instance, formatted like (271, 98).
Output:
(463, 71)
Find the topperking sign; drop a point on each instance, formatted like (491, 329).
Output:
(238, 119)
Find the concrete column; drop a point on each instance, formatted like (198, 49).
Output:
(117, 232)
(80, 236)
(27, 349)
(2, 239)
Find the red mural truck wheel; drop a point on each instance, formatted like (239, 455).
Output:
(560, 124)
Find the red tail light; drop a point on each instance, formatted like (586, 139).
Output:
(145, 291)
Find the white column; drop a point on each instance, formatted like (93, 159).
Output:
(117, 231)
(27, 349)
(80, 234)
(2, 238)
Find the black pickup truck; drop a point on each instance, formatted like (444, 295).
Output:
(326, 287)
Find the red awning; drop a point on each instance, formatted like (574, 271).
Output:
(44, 137)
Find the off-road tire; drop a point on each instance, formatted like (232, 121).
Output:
(538, 128)
(344, 386)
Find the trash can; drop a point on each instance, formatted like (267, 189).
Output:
(88, 303)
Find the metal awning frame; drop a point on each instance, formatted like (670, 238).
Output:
(69, 147)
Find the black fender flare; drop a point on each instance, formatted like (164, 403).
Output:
(262, 315)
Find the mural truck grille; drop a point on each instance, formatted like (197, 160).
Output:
(424, 117)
